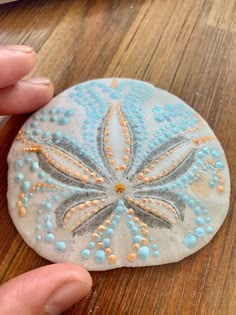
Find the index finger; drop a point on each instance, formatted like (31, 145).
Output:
(15, 62)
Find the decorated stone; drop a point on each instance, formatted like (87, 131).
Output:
(116, 172)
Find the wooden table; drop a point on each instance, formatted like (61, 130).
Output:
(187, 47)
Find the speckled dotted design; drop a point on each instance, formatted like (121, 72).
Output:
(115, 172)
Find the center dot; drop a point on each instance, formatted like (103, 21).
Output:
(119, 188)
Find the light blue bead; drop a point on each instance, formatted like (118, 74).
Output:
(63, 121)
(41, 174)
(208, 219)
(199, 232)
(39, 211)
(154, 246)
(46, 134)
(34, 166)
(60, 246)
(34, 124)
(85, 253)
(49, 238)
(110, 232)
(220, 165)
(205, 211)
(200, 154)
(18, 165)
(191, 203)
(211, 184)
(25, 186)
(190, 240)
(56, 135)
(38, 227)
(106, 242)
(25, 200)
(19, 177)
(113, 224)
(38, 238)
(200, 221)
(69, 112)
(48, 206)
(54, 118)
(48, 226)
(100, 256)
(209, 229)
(91, 245)
(37, 132)
(28, 159)
(215, 153)
(185, 198)
(134, 229)
(156, 253)
(143, 252)
(119, 210)
(52, 111)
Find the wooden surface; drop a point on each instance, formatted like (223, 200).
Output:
(185, 46)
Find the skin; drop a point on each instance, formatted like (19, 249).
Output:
(54, 288)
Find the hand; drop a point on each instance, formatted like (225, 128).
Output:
(54, 288)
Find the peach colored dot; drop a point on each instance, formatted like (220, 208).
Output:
(112, 162)
(19, 203)
(131, 257)
(220, 189)
(145, 180)
(108, 251)
(100, 180)
(95, 210)
(22, 211)
(72, 210)
(94, 236)
(81, 206)
(122, 167)
(107, 222)
(136, 246)
(99, 245)
(140, 176)
(145, 241)
(22, 195)
(127, 150)
(84, 179)
(112, 259)
(109, 155)
(101, 228)
(94, 202)
(130, 211)
(126, 159)
(87, 203)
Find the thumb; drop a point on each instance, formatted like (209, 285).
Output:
(47, 290)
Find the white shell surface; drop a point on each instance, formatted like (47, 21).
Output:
(116, 172)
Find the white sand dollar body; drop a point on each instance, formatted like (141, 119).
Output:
(115, 172)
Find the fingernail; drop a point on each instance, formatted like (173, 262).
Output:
(38, 81)
(20, 48)
(66, 296)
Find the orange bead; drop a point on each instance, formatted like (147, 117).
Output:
(112, 259)
(132, 256)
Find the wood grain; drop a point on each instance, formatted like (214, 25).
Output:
(186, 47)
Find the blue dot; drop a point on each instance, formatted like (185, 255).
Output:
(60, 246)
(63, 121)
(199, 232)
(197, 210)
(28, 159)
(143, 252)
(48, 226)
(110, 232)
(34, 124)
(91, 245)
(41, 174)
(220, 165)
(48, 206)
(100, 256)
(185, 198)
(115, 95)
(18, 165)
(200, 220)
(53, 118)
(69, 112)
(52, 111)
(49, 238)
(85, 253)
(208, 219)
(39, 211)
(19, 177)
(106, 242)
(134, 229)
(205, 211)
(56, 135)
(38, 227)
(200, 154)
(25, 186)
(25, 200)
(211, 184)
(138, 238)
(209, 229)
(215, 153)
(37, 132)
(34, 166)
(46, 134)
(190, 240)
(38, 238)
(191, 203)
(156, 253)
(119, 210)
(154, 246)
(38, 220)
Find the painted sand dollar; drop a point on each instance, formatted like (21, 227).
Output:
(116, 172)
